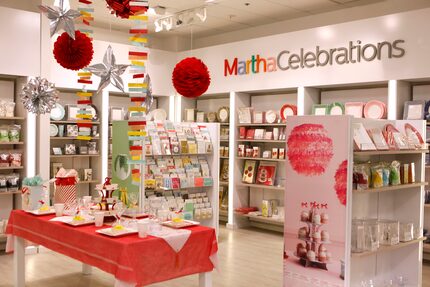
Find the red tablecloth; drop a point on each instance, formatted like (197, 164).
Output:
(130, 258)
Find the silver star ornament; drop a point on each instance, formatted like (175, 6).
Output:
(109, 71)
(61, 17)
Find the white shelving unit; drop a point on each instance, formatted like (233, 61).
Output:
(403, 203)
(245, 195)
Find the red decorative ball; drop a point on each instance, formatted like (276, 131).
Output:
(121, 8)
(191, 77)
(73, 54)
(309, 149)
(340, 178)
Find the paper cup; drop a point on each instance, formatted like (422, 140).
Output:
(143, 229)
(99, 217)
(59, 208)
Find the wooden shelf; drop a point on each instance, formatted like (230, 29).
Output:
(262, 141)
(12, 118)
(224, 124)
(223, 212)
(390, 188)
(11, 143)
(385, 152)
(223, 141)
(10, 167)
(88, 181)
(10, 192)
(263, 125)
(73, 155)
(279, 188)
(223, 182)
(262, 159)
(267, 220)
(70, 138)
(426, 247)
(427, 205)
(71, 122)
(224, 157)
(388, 248)
(182, 154)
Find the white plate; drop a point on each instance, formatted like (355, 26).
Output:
(39, 213)
(58, 112)
(182, 224)
(53, 130)
(111, 233)
(80, 223)
(159, 115)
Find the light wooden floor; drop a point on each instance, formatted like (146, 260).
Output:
(247, 258)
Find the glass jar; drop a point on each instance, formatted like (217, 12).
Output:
(357, 236)
(406, 232)
(371, 231)
(388, 232)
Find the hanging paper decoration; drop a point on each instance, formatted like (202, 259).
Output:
(85, 122)
(191, 77)
(61, 17)
(108, 71)
(121, 8)
(140, 86)
(341, 178)
(39, 96)
(73, 54)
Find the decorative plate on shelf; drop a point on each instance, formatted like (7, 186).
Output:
(354, 109)
(159, 115)
(53, 130)
(212, 117)
(374, 110)
(336, 109)
(288, 110)
(223, 114)
(58, 112)
(271, 117)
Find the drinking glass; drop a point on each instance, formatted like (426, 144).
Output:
(134, 199)
(119, 210)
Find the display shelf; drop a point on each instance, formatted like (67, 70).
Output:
(261, 219)
(389, 152)
(263, 125)
(426, 247)
(223, 182)
(182, 188)
(71, 138)
(427, 205)
(223, 212)
(390, 188)
(224, 124)
(262, 141)
(182, 154)
(261, 159)
(11, 143)
(74, 155)
(223, 157)
(12, 118)
(223, 141)
(73, 122)
(268, 187)
(388, 248)
(10, 192)
(10, 167)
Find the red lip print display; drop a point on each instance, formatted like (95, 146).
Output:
(340, 181)
(309, 149)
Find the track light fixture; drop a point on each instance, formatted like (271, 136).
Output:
(180, 19)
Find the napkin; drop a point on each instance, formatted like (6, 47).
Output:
(176, 238)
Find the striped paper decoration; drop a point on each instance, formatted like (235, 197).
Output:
(85, 118)
(137, 55)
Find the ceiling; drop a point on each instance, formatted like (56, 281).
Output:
(228, 15)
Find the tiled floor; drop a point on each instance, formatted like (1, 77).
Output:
(247, 257)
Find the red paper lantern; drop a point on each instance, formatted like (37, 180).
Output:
(191, 78)
(340, 178)
(309, 149)
(121, 8)
(73, 54)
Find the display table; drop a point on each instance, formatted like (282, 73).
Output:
(142, 261)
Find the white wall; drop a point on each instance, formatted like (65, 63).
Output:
(20, 42)
(406, 26)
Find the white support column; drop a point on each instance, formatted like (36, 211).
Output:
(205, 279)
(19, 262)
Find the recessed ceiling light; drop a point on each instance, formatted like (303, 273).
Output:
(210, 1)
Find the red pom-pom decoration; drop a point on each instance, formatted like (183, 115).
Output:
(191, 78)
(73, 54)
(310, 149)
(121, 8)
(341, 178)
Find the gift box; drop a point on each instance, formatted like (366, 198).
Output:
(34, 193)
(65, 186)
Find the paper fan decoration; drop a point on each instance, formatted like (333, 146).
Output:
(375, 110)
(73, 54)
(341, 178)
(191, 77)
(288, 110)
